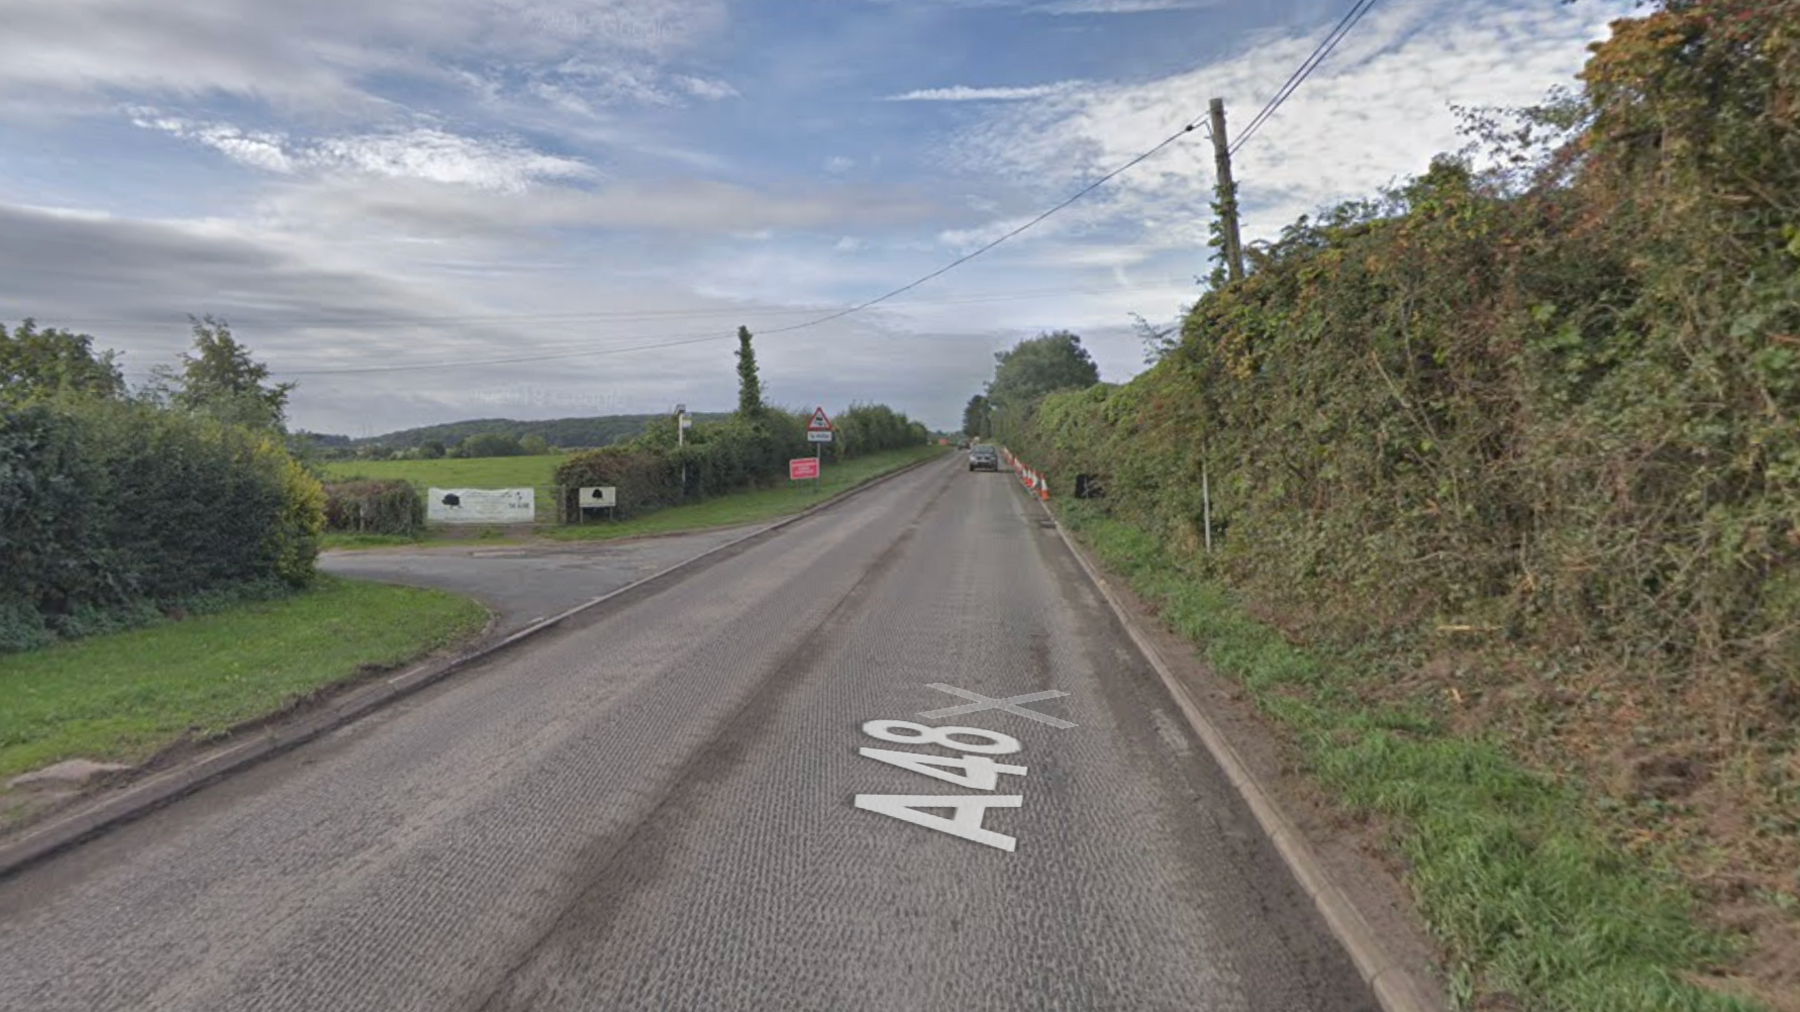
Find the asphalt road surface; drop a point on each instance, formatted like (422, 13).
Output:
(668, 807)
(525, 584)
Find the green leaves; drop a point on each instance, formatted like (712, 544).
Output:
(36, 364)
(220, 380)
(108, 505)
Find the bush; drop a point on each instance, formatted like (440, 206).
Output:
(108, 507)
(873, 428)
(646, 481)
(489, 444)
(374, 507)
(22, 628)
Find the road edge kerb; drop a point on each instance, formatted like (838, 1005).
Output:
(55, 835)
(1394, 987)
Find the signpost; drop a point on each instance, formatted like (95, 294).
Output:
(594, 497)
(683, 422)
(818, 432)
(802, 468)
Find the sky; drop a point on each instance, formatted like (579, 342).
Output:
(431, 210)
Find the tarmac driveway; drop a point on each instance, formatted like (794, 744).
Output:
(525, 583)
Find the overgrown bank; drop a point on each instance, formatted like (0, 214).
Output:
(1528, 442)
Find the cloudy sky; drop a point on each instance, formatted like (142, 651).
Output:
(425, 210)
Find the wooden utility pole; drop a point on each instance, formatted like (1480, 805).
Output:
(1228, 205)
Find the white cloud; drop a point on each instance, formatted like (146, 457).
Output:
(839, 163)
(1069, 7)
(702, 88)
(266, 150)
(421, 153)
(440, 157)
(1122, 6)
(964, 93)
(1377, 110)
(320, 55)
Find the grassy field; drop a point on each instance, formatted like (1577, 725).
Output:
(121, 698)
(1507, 867)
(448, 472)
(749, 507)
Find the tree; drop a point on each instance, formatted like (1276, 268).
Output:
(534, 445)
(37, 363)
(220, 380)
(489, 444)
(1158, 341)
(1041, 365)
(976, 417)
(431, 449)
(750, 402)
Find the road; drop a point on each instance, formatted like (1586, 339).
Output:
(658, 808)
(525, 584)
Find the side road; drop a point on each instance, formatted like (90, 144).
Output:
(582, 583)
(526, 584)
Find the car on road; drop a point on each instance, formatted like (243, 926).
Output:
(984, 458)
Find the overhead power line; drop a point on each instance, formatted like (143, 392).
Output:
(1305, 70)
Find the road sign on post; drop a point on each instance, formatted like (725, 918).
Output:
(802, 468)
(819, 422)
(818, 435)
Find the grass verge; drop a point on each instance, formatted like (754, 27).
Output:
(351, 539)
(1534, 907)
(123, 697)
(752, 506)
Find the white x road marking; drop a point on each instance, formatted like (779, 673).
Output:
(1010, 704)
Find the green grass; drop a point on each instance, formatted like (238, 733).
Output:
(450, 472)
(1508, 868)
(122, 697)
(749, 507)
(351, 539)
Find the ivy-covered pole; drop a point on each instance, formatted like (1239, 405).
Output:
(1228, 207)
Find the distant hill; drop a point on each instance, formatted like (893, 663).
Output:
(603, 430)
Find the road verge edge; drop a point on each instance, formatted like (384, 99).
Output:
(1393, 985)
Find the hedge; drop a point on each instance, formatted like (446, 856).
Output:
(722, 457)
(374, 507)
(112, 507)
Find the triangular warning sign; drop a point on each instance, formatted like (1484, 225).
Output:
(819, 422)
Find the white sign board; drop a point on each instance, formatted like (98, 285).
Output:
(481, 506)
(600, 495)
(819, 437)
